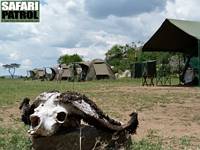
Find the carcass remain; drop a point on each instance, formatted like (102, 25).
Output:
(53, 111)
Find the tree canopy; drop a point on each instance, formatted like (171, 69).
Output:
(67, 59)
(11, 68)
(122, 57)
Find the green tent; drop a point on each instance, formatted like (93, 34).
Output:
(37, 73)
(176, 36)
(99, 69)
(66, 71)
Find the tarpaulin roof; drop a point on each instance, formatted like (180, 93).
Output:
(101, 69)
(175, 36)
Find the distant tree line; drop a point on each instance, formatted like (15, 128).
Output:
(121, 57)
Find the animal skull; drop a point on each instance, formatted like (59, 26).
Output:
(52, 111)
(48, 116)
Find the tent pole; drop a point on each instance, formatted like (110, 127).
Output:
(199, 60)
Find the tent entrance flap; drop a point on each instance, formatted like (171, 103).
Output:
(101, 69)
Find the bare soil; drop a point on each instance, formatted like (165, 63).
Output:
(171, 120)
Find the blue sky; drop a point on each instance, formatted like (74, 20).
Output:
(86, 27)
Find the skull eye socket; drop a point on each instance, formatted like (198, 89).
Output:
(35, 121)
(61, 117)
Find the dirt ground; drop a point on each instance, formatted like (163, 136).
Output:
(168, 120)
(175, 120)
(171, 120)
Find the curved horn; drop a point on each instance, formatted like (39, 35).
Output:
(87, 110)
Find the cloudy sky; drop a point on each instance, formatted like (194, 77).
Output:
(86, 27)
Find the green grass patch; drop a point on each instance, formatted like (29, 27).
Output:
(151, 142)
(146, 144)
(185, 141)
(114, 96)
(14, 139)
(11, 91)
(196, 118)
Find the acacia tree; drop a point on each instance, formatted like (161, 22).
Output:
(11, 68)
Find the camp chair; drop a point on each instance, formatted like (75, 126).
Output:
(149, 72)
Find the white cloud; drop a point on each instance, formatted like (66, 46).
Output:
(70, 27)
(121, 8)
(1, 64)
(14, 56)
(182, 9)
(26, 63)
(100, 42)
(88, 53)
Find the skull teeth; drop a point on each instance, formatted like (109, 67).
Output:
(31, 131)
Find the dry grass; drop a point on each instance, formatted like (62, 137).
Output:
(169, 116)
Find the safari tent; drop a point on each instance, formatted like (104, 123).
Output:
(99, 69)
(81, 71)
(67, 73)
(85, 67)
(37, 73)
(31, 74)
(177, 36)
